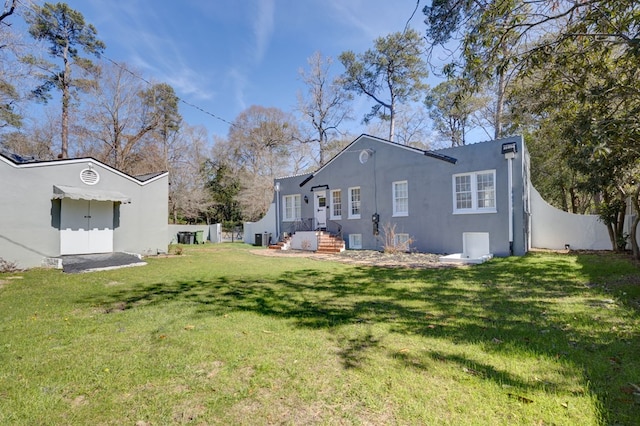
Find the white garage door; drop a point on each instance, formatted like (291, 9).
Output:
(86, 226)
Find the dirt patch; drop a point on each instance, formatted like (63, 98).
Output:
(367, 257)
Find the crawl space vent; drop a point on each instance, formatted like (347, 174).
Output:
(89, 176)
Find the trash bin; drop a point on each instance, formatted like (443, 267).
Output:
(265, 239)
(186, 237)
(199, 237)
(258, 240)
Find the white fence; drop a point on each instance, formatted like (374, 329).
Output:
(212, 233)
(555, 229)
(266, 225)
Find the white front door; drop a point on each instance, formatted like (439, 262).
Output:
(86, 227)
(320, 205)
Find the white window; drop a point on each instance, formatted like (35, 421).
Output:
(355, 241)
(354, 203)
(402, 242)
(292, 208)
(400, 198)
(336, 204)
(475, 192)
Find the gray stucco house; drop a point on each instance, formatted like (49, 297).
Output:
(77, 206)
(440, 200)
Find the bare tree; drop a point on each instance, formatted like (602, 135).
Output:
(325, 105)
(263, 143)
(127, 124)
(113, 119)
(188, 195)
(9, 8)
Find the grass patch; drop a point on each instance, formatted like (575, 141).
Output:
(222, 336)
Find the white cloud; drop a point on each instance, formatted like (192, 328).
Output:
(263, 24)
(375, 18)
(238, 83)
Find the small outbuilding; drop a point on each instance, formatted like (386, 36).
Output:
(77, 206)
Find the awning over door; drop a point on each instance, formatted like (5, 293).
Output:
(61, 191)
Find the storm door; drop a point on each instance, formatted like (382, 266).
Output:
(320, 207)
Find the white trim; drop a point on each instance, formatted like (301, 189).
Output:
(320, 211)
(355, 241)
(58, 163)
(473, 184)
(401, 240)
(297, 207)
(331, 215)
(351, 215)
(394, 198)
(375, 139)
(89, 176)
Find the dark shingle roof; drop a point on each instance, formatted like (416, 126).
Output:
(16, 158)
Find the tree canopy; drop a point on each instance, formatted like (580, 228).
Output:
(391, 73)
(66, 32)
(571, 67)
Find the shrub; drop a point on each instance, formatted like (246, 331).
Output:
(392, 242)
(7, 266)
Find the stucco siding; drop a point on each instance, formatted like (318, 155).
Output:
(30, 216)
(431, 221)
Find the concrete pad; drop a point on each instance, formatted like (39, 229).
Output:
(74, 264)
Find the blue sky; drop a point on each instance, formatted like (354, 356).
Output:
(226, 55)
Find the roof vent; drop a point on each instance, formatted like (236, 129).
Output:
(89, 176)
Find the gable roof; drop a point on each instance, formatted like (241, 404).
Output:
(418, 151)
(20, 162)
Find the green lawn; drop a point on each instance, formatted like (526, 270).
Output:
(220, 335)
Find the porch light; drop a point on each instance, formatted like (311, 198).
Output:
(509, 149)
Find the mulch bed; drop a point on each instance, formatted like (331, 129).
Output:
(368, 258)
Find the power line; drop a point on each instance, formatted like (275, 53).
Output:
(123, 68)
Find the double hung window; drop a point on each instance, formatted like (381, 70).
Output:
(354, 203)
(336, 204)
(400, 198)
(291, 207)
(474, 192)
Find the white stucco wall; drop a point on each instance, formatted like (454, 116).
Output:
(30, 214)
(266, 224)
(552, 228)
(305, 240)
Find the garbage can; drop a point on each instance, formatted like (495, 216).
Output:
(186, 237)
(265, 239)
(181, 237)
(258, 240)
(199, 237)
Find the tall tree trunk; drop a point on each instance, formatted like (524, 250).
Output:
(392, 124)
(66, 98)
(621, 240)
(322, 142)
(502, 84)
(635, 200)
